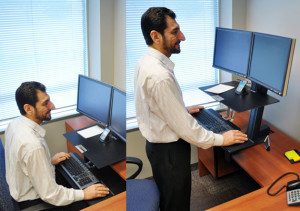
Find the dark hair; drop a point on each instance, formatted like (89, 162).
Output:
(155, 19)
(27, 94)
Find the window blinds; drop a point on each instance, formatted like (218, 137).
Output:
(45, 41)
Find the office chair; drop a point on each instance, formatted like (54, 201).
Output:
(141, 194)
(7, 203)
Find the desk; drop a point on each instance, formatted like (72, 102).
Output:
(257, 200)
(263, 166)
(117, 202)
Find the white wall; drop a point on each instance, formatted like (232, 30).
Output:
(120, 44)
(280, 17)
(94, 39)
(107, 15)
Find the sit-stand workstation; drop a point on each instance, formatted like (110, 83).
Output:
(101, 144)
(263, 59)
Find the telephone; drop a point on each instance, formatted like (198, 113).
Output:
(292, 190)
(241, 89)
(104, 136)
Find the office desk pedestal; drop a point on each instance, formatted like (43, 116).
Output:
(212, 161)
(117, 202)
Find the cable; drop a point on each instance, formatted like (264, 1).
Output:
(273, 194)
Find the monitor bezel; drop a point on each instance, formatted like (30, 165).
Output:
(249, 56)
(89, 115)
(112, 129)
(288, 65)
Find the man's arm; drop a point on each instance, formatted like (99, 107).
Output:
(181, 122)
(43, 181)
(230, 137)
(93, 191)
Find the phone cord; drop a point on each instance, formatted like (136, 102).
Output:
(273, 194)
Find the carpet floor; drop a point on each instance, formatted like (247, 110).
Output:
(208, 192)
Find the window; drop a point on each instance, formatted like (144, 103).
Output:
(45, 41)
(193, 66)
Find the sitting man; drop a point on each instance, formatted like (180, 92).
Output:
(30, 171)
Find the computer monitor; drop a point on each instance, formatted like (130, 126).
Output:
(271, 62)
(232, 50)
(118, 113)
(93, 99)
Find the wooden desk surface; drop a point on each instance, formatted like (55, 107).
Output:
(257, 200)
(262, 165)
(117, 202)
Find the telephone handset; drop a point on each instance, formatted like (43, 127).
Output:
(292, 190)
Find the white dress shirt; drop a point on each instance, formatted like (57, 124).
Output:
(160, 110)
(29, 171)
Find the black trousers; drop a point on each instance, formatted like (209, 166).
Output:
(170, 164)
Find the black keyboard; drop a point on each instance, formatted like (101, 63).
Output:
(213, 121)
(78, 172)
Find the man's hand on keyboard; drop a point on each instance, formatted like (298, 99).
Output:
(194, 109)
(95, 191)
(234, 137)
(59, 157)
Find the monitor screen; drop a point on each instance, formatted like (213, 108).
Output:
(232, 50)
(271, 61)
(93, 99)
(118, 113)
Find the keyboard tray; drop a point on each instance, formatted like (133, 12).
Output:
(106, 175)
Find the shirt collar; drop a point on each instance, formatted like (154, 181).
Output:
(161, 57)
(34, 126)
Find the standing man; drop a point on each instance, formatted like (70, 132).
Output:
(30, 170)
(161, 114)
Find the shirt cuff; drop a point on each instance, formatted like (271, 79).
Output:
(218, 140)
(79, 195)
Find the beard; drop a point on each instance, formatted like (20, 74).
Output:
(45, 117)
(171, 49)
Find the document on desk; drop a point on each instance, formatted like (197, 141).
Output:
(90, 132)
(219, 89)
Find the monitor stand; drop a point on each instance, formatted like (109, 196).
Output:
(256, 131)
(255, 101)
